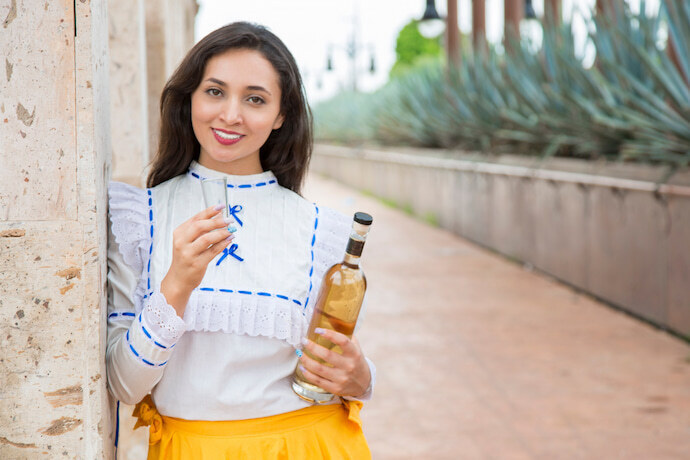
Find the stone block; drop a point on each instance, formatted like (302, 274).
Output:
(53, 231)
(458, 217)
(422, 191)
(559, 231)
(447, 201)
(512, 219)
(627, 251)
(37, 112)
(475, 202)
(678, 279)
(43, 337)
(128, 95)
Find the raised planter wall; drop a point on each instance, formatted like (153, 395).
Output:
(609, 230)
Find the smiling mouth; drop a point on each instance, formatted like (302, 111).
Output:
(226, 138)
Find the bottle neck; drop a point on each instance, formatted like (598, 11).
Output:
(351, 261)
(354, 250)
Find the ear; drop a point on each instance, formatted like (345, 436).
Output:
(279, 121)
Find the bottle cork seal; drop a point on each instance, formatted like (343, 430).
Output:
(363, 218)
(354, 247)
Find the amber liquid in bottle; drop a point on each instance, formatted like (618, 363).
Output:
(337, 305)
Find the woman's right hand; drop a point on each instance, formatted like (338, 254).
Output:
(195, 243)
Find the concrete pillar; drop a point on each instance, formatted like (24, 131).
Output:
(513, 13)
(452, 34)
(479, 24)
(169, 35)
(155, 67)
(552, 12)
(54, 145)
(129, 108)
(607, 7)
(179, 31)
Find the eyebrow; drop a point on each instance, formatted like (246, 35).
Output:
(252, 87)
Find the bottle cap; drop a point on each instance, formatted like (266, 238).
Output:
(363, 218)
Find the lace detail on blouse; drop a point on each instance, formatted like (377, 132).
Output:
(162, 318)
(131, 224)
(245, 314)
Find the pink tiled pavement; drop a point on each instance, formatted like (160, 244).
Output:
(479, 358)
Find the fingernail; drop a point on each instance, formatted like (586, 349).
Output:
(302, 368)
(232, 229)
(319, 330)
(230, 238)
(298, 353)
(228, 220)
(218, 207)
(305, 341)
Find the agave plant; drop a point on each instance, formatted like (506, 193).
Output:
(344, 119)
(632, 104)
(651, 94)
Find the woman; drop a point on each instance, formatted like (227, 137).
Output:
(212, 336)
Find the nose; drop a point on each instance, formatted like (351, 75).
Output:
(231, 112)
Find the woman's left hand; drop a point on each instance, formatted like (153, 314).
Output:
(349, 376)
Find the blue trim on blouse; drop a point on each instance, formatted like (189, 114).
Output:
(243, 186)
(151, 338)
(117, 426)
(139, 357)
(261, 294)
(148, 266)
(117, 314)
(311, 269)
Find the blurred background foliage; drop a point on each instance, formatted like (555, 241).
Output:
(411, 47)
(632, 104)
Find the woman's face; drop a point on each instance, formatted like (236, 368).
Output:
(234, 110)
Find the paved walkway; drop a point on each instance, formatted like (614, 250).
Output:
(479, 358)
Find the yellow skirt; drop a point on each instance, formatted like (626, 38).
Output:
(332, 432)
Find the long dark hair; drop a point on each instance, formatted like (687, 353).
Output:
(287, 150)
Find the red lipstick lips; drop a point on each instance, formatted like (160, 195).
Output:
(226, 137)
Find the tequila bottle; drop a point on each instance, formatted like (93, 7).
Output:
(337, 305)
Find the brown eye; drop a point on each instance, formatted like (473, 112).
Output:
(214, 92)
(255, 100)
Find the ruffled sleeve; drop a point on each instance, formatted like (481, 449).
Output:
(142, 327)
(131, 225)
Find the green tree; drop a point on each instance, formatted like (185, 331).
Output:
(411, 47)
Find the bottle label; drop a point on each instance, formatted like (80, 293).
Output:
(354, 247)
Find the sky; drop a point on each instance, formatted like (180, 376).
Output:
(310, 27)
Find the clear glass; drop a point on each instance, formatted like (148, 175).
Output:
(215, 192)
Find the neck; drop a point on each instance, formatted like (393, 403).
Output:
(239, 167)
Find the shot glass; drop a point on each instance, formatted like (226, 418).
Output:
(215, 192)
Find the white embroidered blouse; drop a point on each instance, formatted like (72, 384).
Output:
(233, 354)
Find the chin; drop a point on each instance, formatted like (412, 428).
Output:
(223, 157)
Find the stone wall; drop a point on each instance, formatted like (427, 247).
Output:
(54, 145)
(609, 229)
(55, 148)
(148, 39)
(128, 90)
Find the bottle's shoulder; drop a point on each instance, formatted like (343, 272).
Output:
(342, 270)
